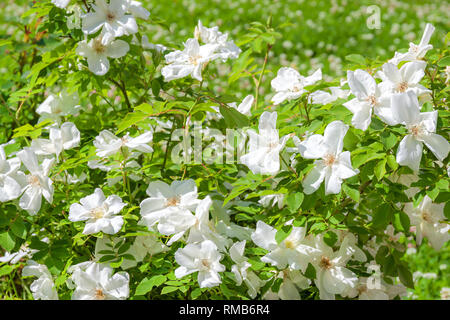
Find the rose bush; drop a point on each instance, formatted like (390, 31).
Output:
(134, 170)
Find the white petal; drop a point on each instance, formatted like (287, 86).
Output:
(437, 144)
(409, 152)
(117, 49)
(334, 136)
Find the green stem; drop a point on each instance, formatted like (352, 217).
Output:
(269, 46)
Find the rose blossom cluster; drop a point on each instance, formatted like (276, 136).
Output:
(176, 212)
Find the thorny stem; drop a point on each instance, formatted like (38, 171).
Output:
(269, 46)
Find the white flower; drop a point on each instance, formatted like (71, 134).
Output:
(368, 289)
(332, 275)
(244, 107)
(64, 138)
(421, 129)
(333, 166)
(263, 156)
(59, 105)
(158, 47)
(447, 74)
(60, 3)
(43, 288)
(204, 258)
(136, 9)
(111, 18)
(108, 144)
(170, 206)
(290, 252)
(368, 99)
(416, 52)
(445, 293)
(24, 252)
(95, 281)
(289, 84)
(37, 183)
(9, 186)
(241, 272)
(200, 227)
(225, 49)
(272, 199)
(324, 97)
(97, 51)
(293, 280)
(190, 61)
(100, 213)
(428, 218)
(405, 79)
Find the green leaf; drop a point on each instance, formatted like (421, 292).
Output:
(168, 289)
(330, 238)
(156, 87)
(131, 119)
(116, 264)
(392, 162)
(146, 284)
(196, 293)
(107, 258)
(310, 272)
(380, 169)
(7, 240)
(352, 193)
(356, 58)
(233, 118)
(283, 233)
(447, 210)
(19, 229)
(6, 269)
(382, 216)
(124, 247)
(381, 255)
(294, 201)
(445, 61)
(405, 276)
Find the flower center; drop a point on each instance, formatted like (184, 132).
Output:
(426, 216)
(325, 263)
(372, 100)
(98, 47)
(297, 88)
(206, 263)
(414, 48)
(34, 181)
(98, 213)
(289, 244)
(329, 160)
(110, 16)
(416, 130)
(402, 86)
(172, 202)
(273, 145)
(99, 295)
(194, 59)
(57, 110)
